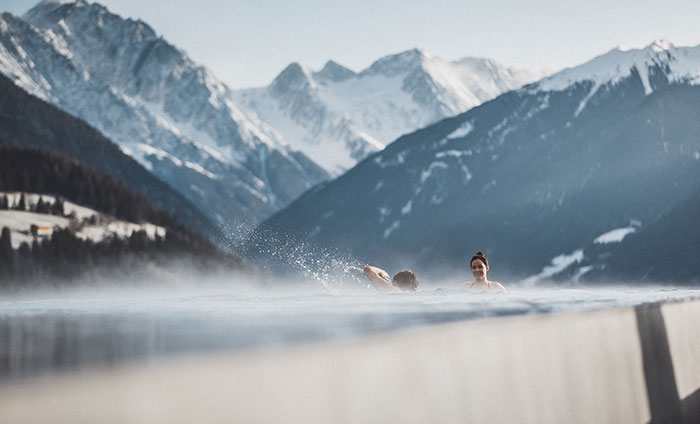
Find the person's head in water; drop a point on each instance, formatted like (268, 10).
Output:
(406, 280)
(479, 266)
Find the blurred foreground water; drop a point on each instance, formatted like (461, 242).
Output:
(46, 333)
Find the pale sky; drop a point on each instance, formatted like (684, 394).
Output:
(247, 43)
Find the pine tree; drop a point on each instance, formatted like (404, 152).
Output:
(22, 205)
(4, 205)
(57, 207)
(7, 254)
(23, 261)
(41, 206)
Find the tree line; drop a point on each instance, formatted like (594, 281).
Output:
(57, 207)
(38, 171)
(64, 256)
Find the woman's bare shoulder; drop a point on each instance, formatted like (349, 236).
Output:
(497, 285)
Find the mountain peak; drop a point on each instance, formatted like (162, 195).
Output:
(660, 45)
(294, 77)
(46, 7)
(58, 2)
(398, 63)
(81, 16)
(334, 72)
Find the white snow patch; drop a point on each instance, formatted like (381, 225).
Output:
(399, 159)
(254, 191)
(58, 42)
(160, 154)
(544, 104)
(383, 213)
(458, 155)
(461, 131)
(199, 169)
(407, 208)
(391, 229)
(436, 199)
(585, 100)
(453, 153)
(614, 236)
(428, 172)
(580, 272)
(558, 264)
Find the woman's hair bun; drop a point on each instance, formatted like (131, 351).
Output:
(480, 256)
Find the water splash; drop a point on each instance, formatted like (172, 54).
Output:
(289, 259)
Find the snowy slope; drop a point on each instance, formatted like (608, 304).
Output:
(680, 64)
(101, 226)
(337, 116)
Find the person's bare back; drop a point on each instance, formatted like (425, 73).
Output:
(405, 280)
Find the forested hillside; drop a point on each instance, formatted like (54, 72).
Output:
(34, 170)
(64, 257)
(28, 122)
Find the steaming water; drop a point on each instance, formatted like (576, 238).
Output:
(49, 334)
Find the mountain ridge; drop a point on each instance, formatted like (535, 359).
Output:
(526, 177)
(340, 120)
(167, 111)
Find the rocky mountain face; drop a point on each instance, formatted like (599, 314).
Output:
(338, 117)
(537, 178)
(168, 112)
(29, 123)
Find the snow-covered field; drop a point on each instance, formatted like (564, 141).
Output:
(20, 222)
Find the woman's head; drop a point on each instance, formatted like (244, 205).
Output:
(479, 256)
(479, 265)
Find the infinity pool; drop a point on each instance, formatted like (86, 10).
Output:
(49, 333)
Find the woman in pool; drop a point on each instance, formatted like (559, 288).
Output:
(480, 266)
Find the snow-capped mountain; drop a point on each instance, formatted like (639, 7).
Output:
(677, 64)
(337, 117)
(164, 109)
(534, 175)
